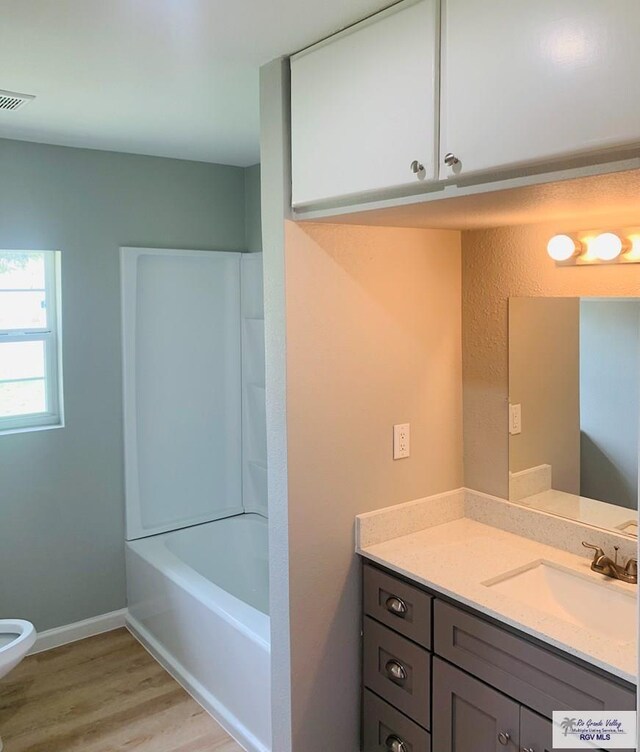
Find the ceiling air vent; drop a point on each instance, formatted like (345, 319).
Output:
(12, 101)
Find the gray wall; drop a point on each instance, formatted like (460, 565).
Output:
(609, 404)
(61, 491)
(252, 216)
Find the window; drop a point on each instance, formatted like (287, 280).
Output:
(30, 377)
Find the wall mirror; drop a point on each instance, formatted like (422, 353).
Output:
(574, 408)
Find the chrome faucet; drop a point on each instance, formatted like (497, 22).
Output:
(604, 565)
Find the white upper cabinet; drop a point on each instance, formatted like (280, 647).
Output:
(364, 106)
(526, 81)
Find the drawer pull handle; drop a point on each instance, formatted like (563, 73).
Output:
(395, 744)
(504, 738)
(395, 670)
(528, 749)
(396, 606)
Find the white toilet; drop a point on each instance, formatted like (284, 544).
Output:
(16, 639)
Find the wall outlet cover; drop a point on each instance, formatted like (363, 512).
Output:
(515, 419)
(401, 441)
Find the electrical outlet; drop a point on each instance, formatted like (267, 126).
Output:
(401, 441)
(515, 419)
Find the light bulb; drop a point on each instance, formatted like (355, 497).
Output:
(633, 254)
(607, 246)
(561, 247)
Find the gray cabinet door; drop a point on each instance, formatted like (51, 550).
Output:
(469, 716)
(536, 733)
(529, 673)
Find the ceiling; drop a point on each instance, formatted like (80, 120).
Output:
(172, 78)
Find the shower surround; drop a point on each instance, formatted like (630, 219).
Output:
(196, 477)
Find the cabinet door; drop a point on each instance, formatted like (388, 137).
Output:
(536, 733)
(469, 716)
(526, 82)
(363, 106)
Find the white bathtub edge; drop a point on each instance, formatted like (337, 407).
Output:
(204, 698)
(79, 630)
(252, 623)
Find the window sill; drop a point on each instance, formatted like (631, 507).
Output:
(29, 429)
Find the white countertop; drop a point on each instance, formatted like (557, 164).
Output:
(456, 557)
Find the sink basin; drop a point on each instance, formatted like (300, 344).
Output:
(590, 602)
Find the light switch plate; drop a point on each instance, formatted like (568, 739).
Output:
(401, 441)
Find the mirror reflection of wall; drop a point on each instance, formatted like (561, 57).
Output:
(574, 394)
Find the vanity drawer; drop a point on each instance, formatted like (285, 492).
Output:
(397, 670)
(398, 605)
(385, 729)
(530, 674)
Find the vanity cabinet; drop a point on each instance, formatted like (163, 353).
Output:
(364, 106)
(438, 677)
(527, 82)
(531, 674)
(473, 717)
(470, 715)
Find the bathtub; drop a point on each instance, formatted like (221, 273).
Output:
(198, 600)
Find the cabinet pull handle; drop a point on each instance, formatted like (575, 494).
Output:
(504, 738)
(396, 606)
(416, 167)
(528, 749)
(395, 744)
(451, 160)
(395, 670)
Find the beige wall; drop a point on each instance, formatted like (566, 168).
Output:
(498, 264)
(373, 339)
(544, 378)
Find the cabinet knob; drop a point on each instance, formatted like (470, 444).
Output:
(395, 744)
(395, 670)
(416, 167)
(451, 160)
(504, 738)
(396, 606)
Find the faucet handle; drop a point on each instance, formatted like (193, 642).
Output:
(599, 553)
(631, 567)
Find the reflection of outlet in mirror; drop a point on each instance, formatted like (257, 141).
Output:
(515, 419)
(401, 441)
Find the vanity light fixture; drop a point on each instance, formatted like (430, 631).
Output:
(563, 247)
(594, 249)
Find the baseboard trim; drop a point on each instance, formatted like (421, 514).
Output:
(79, 630)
